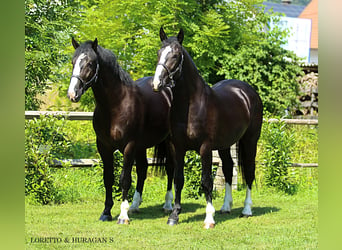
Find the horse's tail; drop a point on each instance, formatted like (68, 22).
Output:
(239, 152)
(159, 157)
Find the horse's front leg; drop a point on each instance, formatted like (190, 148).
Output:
(207, 184)
(108, 179)
(126, 181)
(179, 183)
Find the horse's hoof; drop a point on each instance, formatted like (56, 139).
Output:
(123, 221)
(245, 215)
(224, 212)
(105, 217)
(172, 222)
(209, 225)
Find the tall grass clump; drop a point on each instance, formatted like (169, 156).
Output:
(276, 158)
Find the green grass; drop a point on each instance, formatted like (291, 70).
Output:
(280, 222)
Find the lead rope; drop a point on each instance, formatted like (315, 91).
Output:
(168, 98)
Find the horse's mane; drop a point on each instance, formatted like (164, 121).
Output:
(110, 60)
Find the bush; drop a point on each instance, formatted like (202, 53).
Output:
(44, 142)
(276, 157)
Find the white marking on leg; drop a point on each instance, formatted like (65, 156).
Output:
(137, 199)
(74, 81)
(228, 200)
(247, 210)
(124, 211)
(160, 68)
(168, 201)
(209, 218)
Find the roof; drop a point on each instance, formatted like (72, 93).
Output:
(290, 10)
(311, 12)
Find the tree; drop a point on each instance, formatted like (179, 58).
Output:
(226, 39)
(48, 24)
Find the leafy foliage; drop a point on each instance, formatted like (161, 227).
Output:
(44, 142)
(277, 157)
(226, 39)
(47, 25)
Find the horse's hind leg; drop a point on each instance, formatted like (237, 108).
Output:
(170, 166)
(126, 181)
(247, 152)
(227, 168)
(141, 167)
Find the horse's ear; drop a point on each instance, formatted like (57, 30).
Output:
(95, 45)
(162, 34)
(74, 43)
(180, 36)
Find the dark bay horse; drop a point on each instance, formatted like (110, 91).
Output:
(205, 119)
(129, 116)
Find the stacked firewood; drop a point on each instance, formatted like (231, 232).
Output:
(308, 89)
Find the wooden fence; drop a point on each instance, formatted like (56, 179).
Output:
(216, 160)
(89, 116)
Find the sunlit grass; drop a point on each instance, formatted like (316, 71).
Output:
(280, 221)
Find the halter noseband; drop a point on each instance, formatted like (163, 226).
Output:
(171, 74)
(88, 84)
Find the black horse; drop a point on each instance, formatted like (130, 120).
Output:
(206, 119)
(129, 116)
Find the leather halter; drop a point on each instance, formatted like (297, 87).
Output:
(171, 74)
(89, 83)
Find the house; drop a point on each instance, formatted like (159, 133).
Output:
(303, 20)
(311, 12)
(290, 10)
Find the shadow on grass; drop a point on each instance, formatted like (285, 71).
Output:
(157, 212)
(235, 214)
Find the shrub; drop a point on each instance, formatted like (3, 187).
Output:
(44, 141)
(276, 157)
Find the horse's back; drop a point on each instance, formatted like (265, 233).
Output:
(227, 89)
(239, 103)
(227, 86)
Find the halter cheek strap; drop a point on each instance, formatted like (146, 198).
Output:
(171, 74)
(89, 83)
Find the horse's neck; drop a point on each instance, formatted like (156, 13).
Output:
(189, 94)
(110, 89)
(192, 82)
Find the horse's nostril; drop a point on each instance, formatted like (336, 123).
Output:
(72, 96)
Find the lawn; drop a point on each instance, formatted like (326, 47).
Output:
(280, 221)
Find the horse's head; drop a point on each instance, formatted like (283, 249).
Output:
(85, 69)
(170, 61)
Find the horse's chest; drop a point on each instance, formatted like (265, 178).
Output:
(194, 130)
(196, 122)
